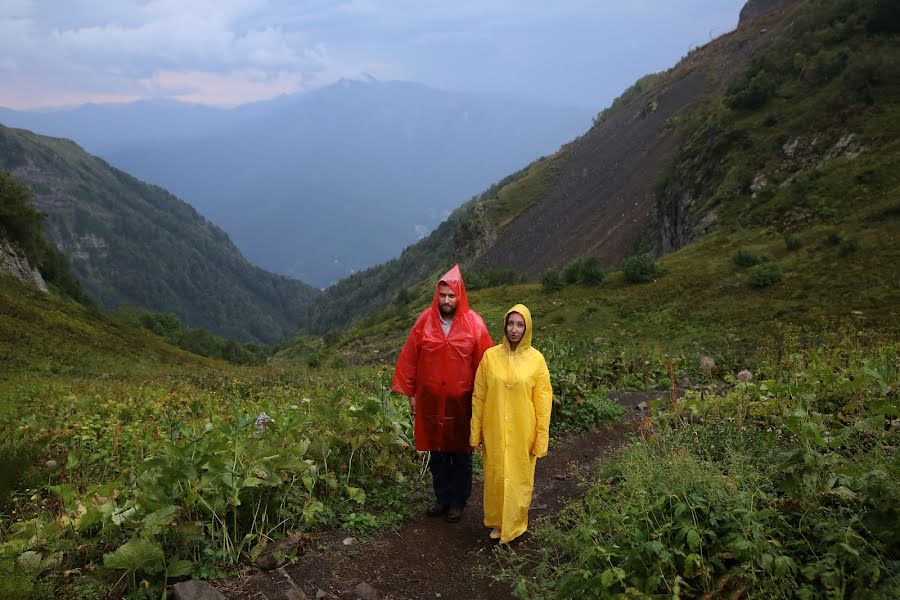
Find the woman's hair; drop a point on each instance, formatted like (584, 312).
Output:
(511, 313)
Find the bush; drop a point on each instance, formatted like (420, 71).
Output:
(848, 245)
(792, 242)
(581, 414)
(640, 268)
(765, 275)
(745, 258)
(751, 92)
(833, 238)
(551, 281)
(585, 270)
(477, 280)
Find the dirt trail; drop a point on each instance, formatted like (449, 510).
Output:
(428, 558)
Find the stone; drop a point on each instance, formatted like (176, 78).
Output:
(295, 593)
(30, 561)
(364, 591)
(196, 590)
(14, 263)
(277, 554)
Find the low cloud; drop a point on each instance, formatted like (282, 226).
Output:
(222, 89)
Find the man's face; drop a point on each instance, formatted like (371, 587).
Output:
(446, 300)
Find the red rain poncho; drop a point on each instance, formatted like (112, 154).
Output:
(439, 370)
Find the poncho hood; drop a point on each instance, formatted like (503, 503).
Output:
(526, 339)
(454, 279)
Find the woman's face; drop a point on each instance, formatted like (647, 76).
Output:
(515, 327)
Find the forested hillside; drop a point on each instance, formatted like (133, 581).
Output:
(133, 243)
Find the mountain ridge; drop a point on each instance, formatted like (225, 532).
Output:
(134, 243)
(325, 183)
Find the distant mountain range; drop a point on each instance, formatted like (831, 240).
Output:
(134, 243)
(320, 185)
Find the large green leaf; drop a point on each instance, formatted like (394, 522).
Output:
(136, 555)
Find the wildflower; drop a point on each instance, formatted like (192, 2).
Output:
(261, 422)
(745, 376)
(707, 364)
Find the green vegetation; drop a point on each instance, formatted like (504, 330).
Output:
(785, 485)
(745, 258)
(585, 270)
(193, 339)
(193, 472)
(476, 280)
(23, 225)
(639, 87)
(137, 244)
(807, 134)
(792, 242)
(552, 281)
(640, 268)
(765, 275)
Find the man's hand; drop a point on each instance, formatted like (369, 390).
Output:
(412, 405)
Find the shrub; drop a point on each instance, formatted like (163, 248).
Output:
(585, 270)
(833, 238)
(581, 414)
(551, 281)
(745, 258)
(792, 242)
(848, 245)
(493, 278)
(751, 92)
(765, 275)
(640, 268)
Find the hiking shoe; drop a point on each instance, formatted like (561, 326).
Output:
(436, 509)
(454, 514)
(494, 534)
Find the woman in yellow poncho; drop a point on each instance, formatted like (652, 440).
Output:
(511, 414)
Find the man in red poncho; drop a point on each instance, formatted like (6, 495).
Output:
(436, 370)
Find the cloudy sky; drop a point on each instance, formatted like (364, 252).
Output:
(227, 52)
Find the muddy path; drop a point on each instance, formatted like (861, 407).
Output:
(428, 558)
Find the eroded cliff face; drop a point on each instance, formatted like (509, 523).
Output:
(14, 263)
(607, 200)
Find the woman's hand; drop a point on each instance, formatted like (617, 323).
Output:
(412, 406)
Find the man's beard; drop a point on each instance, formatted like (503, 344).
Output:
(447, 311)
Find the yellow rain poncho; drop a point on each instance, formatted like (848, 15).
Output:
(511, 414)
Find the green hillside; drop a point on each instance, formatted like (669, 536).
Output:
(809, 133)
(44, 334)
(133, 243)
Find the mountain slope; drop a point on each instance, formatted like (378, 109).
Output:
(45, 334)
(132, 243)
(323, 184)
(653, 170)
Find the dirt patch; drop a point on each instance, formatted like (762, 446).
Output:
(427, 557)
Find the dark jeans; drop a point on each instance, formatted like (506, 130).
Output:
(452, 477)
